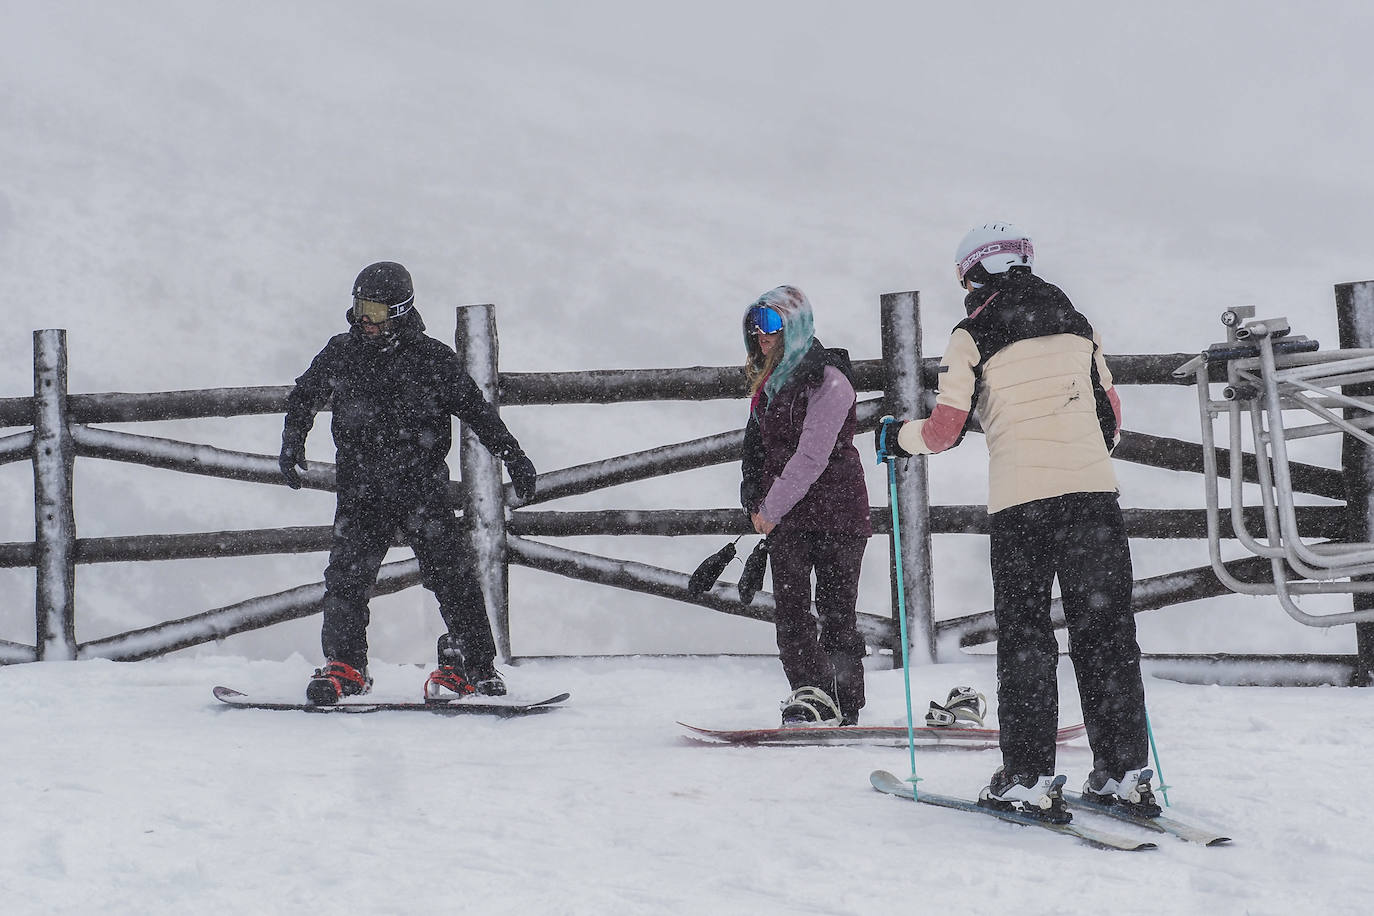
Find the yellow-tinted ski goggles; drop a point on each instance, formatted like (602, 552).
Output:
(366, 310)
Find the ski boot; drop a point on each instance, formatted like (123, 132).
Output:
(964, 707)
(1131, 792)
(336, 680)
(808, 707)
(1037, 796)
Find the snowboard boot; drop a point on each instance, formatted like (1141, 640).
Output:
(336, 680)
(488, 682)
(1131, 791)
(808, 707)
(1037, 796)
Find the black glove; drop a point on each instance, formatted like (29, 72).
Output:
(885, 437)
(751, 580)
(522, 473)
(710, 569)
(292, 457)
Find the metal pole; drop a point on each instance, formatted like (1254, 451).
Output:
(1355, 323)
(901, 330)
(484, 506)
(54, 520)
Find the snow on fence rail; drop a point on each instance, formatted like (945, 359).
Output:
(61, 430)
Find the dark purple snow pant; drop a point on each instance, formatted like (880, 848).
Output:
(827, 653)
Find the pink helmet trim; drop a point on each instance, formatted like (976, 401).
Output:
(1021, 247)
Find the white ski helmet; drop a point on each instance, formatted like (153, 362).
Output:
(996, 247)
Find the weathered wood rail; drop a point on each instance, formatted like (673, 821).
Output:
(60, 429)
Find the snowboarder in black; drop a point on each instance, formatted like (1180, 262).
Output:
(392, 391)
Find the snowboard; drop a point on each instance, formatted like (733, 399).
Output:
(881, 735)
(490, 706)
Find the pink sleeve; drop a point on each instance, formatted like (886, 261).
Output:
(943, 428)
(826, 411)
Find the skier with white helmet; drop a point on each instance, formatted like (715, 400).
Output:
(1033, 367)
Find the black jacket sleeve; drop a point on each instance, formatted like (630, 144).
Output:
(1106, 416)
(477, 414)
(310, 395)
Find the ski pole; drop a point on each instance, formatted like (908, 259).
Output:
(1154, 750)
(884, 457)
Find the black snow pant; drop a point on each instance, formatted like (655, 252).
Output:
(1081, 538)
(363, 532)
(829, 656)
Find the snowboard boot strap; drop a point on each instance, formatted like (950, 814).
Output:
(967, 705)
(447, 682)
(809, 706)
(336, 680)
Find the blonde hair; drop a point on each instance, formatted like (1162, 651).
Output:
(769, 373)
(759, 366)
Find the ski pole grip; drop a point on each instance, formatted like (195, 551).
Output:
(883, 422)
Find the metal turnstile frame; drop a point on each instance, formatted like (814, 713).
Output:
(1269, 372)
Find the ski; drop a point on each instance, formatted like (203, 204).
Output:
(870, 735)
(884, 781)
(491, 706)
(1160, 824)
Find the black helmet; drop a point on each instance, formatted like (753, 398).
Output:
(385, 283)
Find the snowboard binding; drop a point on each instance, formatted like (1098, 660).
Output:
(964, 707)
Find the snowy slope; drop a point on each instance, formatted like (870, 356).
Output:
(131, 791)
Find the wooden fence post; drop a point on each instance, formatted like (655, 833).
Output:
(901, 330)
(54, 519)
(1355, 321)
(484, 507)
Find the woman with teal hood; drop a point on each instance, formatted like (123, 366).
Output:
(803, 487)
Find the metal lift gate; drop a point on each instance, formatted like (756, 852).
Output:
(1271, 376)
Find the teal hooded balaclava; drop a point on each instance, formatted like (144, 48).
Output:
(798, 331)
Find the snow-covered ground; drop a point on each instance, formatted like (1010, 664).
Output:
(130, 790)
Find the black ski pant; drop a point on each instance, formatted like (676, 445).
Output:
(363, 531)
(827, 653)
(1081, 539)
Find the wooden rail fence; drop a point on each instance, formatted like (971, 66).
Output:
(56, 427)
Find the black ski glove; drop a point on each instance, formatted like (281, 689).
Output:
(710, 569)
(885, 439)
(292, 457)
(751, 580)
(522, 473)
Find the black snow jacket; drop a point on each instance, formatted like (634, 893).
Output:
(392, 411)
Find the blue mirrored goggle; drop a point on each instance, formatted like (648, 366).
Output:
(762, 318)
